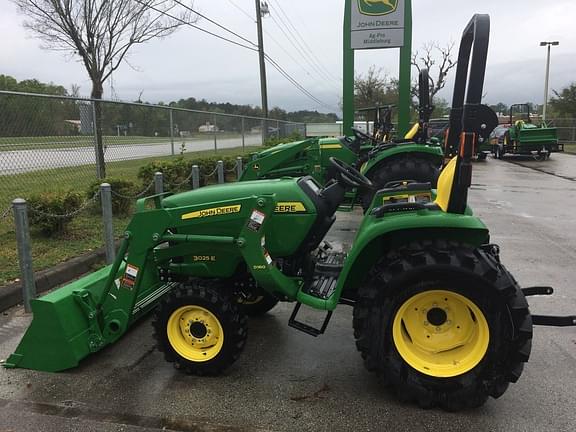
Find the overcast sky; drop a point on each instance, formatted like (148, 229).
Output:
(191, 63)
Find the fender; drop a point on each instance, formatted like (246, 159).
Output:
(377, 235)
(430, 151)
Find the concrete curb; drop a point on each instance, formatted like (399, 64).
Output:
(11, 294)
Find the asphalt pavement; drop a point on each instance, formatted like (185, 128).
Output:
(289, 381)
(20, 161)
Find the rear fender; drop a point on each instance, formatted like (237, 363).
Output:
(377, 236)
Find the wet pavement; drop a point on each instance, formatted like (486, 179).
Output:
(289, 381)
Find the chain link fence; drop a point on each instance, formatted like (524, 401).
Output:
(49, 142)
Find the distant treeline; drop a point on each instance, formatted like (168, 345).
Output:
(29, 116)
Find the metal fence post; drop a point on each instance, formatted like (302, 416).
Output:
(243, 139)
(195, 177)
(239, 167)
(158, 182)
(215, 132)
(171, 133)
(24, 253)
(106, 200)
(277, 128)
(220, 171)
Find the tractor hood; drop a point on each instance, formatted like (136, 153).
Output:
(286, 190)
(281, 147)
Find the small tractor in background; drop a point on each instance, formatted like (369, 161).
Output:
(412, 158)
(523, 137)
(383, 128)
(436, 314)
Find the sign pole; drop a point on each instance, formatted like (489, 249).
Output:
(348, 73)
(404, 96)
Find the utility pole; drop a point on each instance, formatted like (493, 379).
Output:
(546, 79)
(263, 90)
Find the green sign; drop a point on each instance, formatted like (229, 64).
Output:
(377, 24)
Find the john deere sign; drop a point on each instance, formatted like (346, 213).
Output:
(377, 24)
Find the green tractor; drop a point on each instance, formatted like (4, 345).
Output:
(412, 158)
(436, 315)
(525, 138)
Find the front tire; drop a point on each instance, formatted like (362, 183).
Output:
(199, 328)
(443, 325)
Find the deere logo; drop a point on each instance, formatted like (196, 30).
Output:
(377, 7)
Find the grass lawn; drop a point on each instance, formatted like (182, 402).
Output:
(85, 231)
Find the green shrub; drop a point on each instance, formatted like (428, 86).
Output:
(53, 203)
(174, 171)
(177, 170)
(123, 195)
(272, 141)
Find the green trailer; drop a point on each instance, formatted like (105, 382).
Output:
(523, 137)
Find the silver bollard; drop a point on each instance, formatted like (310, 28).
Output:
(158, 182)
(220, 171)
(195, 177)
(106, 201)
(24, 251)
(239, 167)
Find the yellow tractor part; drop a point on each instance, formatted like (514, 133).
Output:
(195, 333)
(440, 333)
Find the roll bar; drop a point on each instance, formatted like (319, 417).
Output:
(469, 84)
(425, 107)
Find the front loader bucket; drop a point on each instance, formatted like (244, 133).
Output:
(61, 333)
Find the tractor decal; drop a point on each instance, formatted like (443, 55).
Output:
(290, 207)
(377, 7)
(216, 211)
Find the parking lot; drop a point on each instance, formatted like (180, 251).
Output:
(289, 381)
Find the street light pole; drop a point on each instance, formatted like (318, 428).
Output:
(546, 79)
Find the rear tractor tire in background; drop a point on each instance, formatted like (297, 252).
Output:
(443, 325)
(199, 328)
(417, 168)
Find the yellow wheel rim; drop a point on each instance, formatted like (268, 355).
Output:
(440, 333)
(195, 333)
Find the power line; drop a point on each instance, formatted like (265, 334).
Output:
(297, 84)
(180, 20)
(252, 48)
(242, 10)
(307, 47)
(296, 44)
(215, 23)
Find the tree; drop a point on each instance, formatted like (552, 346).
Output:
(565, 101)
(374, 89)
(101, 33)
(433, 57)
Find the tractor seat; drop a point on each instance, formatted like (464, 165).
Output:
(448, 196)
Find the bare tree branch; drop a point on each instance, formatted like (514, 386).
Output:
(434, 58)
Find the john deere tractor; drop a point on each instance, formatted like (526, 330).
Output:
(436, 314)
(526, 138)
(411, 158)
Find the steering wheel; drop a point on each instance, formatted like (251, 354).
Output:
(351, 176)
(362, 136)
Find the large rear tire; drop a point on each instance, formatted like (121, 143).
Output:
(418, 168)
(443, 324)
(199, 328)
